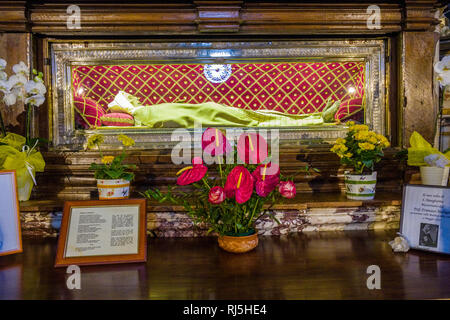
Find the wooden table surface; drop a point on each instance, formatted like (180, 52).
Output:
(326, 265)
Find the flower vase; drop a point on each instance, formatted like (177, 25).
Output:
(434, 176)
(25, 183)
(238, 244)
(109, 189)
(360, 186)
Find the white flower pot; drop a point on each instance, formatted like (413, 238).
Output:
(113, 189)
(434, 176)
(360, 186)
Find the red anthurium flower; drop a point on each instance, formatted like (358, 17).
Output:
(216, 195)
(214, 142)
(193, 173)
(287, 189)
(267, 177)
(252, 148)
(239, 184)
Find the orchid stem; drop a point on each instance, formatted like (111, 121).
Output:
(2, 124)
(28, 124)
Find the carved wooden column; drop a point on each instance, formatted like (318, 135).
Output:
(14, 47)
(418, 44)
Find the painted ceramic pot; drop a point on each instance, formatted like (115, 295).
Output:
(239, 244)
(434, 176)
(113, 189)
(360, 186)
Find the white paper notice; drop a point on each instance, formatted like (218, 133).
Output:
(99, 231)
(9, 231)
(426, 218)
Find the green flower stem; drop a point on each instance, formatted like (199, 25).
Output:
(206, 183)
(253, 213)
(28, 124)
(99, 150)
(220, 168)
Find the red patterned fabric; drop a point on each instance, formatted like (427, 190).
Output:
(348, 108)
(290, 87)
(89, 112)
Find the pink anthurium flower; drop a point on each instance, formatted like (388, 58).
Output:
(239, 184)
(252, 148)
(287, 189)
(193, 173)
(267, 177)
(216, 195)
(214, 142)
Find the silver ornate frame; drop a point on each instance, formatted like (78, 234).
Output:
(64, 54)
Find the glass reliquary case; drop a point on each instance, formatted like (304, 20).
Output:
(305, 89)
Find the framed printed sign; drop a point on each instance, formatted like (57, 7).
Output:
(102, 232)
(10, 232)
(425, 220)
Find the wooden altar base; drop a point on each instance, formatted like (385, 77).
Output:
(326, 265)
(306, 212)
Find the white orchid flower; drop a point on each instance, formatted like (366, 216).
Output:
(32, 87)
(442, 68)
(17, 80)
(2, 64)
(19, 92)
(3, 75)
(39, 80)
(442, 65)
(35, 100)
(21, 68)
(444, 78)
(4, 86)
(10, 99)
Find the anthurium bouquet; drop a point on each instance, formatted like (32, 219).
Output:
(241, 194)
(361, 148)
(112, 167)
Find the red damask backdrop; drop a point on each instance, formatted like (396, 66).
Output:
(290, 87)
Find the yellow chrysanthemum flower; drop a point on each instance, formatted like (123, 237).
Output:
(95, 140)
(360, 127)
(126, 141)
(372, 140)
(366, 146)
(350, 123)
(107, 159)
(361, 135)
(339, 148)
(348, 155)
(340, 141)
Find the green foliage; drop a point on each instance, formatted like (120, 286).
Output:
(38, 142)
(361, 148)
(228, 218)
(114, 170)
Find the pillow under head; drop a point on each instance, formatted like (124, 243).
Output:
(89, 112)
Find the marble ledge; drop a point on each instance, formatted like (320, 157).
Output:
(315, 213)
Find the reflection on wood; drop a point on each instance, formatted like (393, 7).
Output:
(327, 265)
